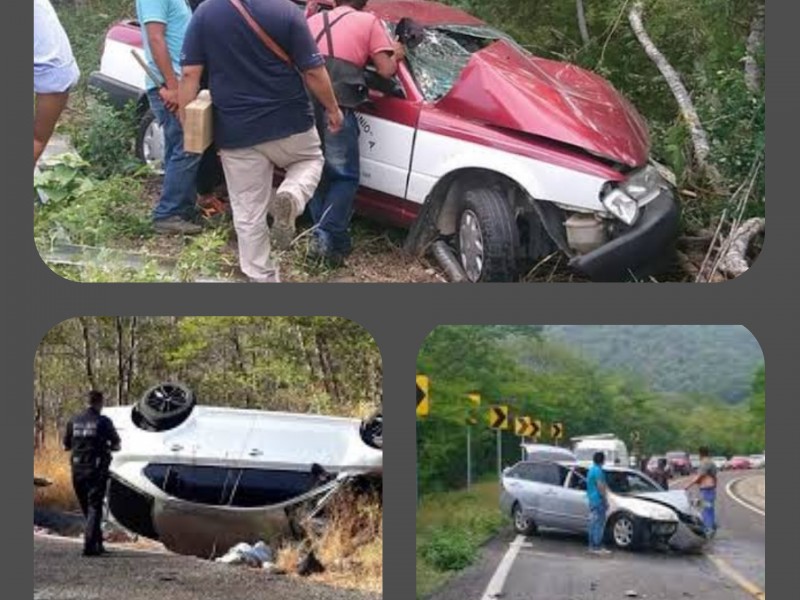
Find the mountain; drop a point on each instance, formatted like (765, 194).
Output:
(718, 360)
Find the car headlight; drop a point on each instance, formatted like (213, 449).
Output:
(647, 510)
(622, 206)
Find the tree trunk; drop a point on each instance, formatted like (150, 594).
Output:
(582, 22)
(133, 342)
(702, 148)
(88, 352)
(755, 42)
(120, 359)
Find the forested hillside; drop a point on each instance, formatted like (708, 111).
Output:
(304, 364)
(520, 368)
(704, 359)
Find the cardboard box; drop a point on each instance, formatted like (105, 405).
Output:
(198, 128)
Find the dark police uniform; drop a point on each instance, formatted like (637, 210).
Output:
(91, 437)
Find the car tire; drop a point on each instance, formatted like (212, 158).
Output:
(487, 236)
(150, 142)
(372, 430)
(522, 524)
(625, 531)
(166, 405)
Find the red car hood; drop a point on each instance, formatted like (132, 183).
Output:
(559, 101)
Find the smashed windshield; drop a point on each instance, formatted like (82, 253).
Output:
(438, 61)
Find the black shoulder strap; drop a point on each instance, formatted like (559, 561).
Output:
(327, 26)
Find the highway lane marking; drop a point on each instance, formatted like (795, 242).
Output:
(495, 587)
(742, 581)
(735, 498)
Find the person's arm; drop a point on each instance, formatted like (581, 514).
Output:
(385, 52)
(319, 84)
(156, 37)
(67, 441)
(114, 443)
(189, 88)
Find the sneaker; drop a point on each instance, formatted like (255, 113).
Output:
(176, 224)
(599, 551)
(272, 277)
(284, 212)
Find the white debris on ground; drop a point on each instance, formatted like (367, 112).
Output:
(259, 556)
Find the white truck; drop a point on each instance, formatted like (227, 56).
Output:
(615, 450)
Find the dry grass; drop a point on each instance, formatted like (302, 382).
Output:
(52, 464)
(350, 547)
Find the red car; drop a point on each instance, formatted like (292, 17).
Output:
(505, 156)
(737, 463)
(679, 463)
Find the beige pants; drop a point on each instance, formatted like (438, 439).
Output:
(248, 173)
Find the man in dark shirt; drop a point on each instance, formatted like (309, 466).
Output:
(91, 438)
(262, 114)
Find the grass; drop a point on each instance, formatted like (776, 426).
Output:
(451, 527)
(52, 463)
(350, 546)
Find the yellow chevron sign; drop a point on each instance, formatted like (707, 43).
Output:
(498, 417)
(423, 397)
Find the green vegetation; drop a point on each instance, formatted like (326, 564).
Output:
(298, 364)
(550, 382)
(692, 359)
(451, 527)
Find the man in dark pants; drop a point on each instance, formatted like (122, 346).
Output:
(91, 438)
(349, 38)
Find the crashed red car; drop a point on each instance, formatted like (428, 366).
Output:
(504, 156)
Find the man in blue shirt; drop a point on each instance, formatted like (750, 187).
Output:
(164, 25)
(54, 73)
(262, 114)
(597, 493)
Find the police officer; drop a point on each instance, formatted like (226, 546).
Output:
(92, 438)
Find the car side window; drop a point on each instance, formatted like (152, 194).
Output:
(262, 487)
(546, 473)
(577, 481)
(201, 485)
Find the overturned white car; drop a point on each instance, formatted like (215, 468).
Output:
(202, 478)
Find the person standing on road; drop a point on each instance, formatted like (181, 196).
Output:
(164, 24)
(91, 438)
(706, 481)
(55, 72)
(660, 475)
(597, 492)
(349, 38)
(260, 58)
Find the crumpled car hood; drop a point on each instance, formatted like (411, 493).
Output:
(506, 88)
(677, 499)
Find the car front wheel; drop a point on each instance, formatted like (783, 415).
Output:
(523, 524)
(487, 236)
(166, 405)
(625, 531)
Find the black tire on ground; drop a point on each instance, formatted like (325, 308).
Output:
(372, 430)
(625, 531)
(166, 405)
(486, 214)
(522, 524)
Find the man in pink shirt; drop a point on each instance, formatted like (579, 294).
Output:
(348, 38)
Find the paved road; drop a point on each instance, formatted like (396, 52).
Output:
(60, 573)
(553, 566)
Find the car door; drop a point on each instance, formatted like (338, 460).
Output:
(388, 124)
(574, 503)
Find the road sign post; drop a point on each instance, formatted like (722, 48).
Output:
(469, 457)
(475, 400)
(423, 409)
(498, 420)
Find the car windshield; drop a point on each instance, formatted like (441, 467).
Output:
(630, 482)
(437, 62)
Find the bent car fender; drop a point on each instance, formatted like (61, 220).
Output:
(436, 156)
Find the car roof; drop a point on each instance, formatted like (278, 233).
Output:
(421, 11)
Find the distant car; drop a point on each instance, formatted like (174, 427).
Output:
(737, 463)
(552, 494)
(201, 478)
(679, 463)
(758, 461)
(694, 461)
(547, 452)
(719, 461)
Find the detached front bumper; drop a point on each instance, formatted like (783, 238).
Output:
(642, 250)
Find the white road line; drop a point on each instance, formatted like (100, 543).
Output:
(495, 588)
(735, 498)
